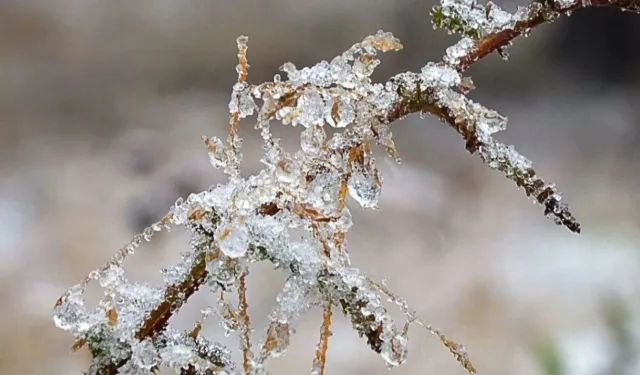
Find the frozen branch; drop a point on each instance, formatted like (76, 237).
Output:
(249, 220)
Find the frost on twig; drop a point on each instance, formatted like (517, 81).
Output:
(250, 220)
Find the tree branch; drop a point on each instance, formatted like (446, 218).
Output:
(540, 12)
(506, 160)
(457, 111)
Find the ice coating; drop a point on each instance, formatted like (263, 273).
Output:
(314, 189)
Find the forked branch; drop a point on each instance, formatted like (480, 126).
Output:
(249, 220)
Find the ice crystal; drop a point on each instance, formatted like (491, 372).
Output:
(341, 114)
(233, 239)
(566, 3)
(310, 109)
(70, 313)
(312, 139)
(110, 276)
(365, 182)
(458, 50)
(471, 18)
(437, 75)
(144, 355)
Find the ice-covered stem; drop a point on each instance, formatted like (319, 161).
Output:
(457, 111)
(488, 29)
(211, 353)
(320, 360)
(233, 140)
(527, 18)
(245, 323)
(350, 291)
(175, 296)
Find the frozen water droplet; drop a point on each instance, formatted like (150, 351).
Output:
(242, 41)
(219, 273)
(438, 75)
(320, 75)
(490, 122)
(239, 86)
(216, 150)
(394, 350)
(285, 114)
(233, 240)
(365, 185)
(342, 114)
(322, 190)
(290, 69)
(312, 139)
(342, 73)
(175, 274)
(70, 314)
(144, 355)
(504, 54)
(310, 109)
(110, 276)
(286, 171)
(460, 49)
(344, 222)
(278, 338)
(497, 18)
(178, 356)
(365, 65)
(246, 105)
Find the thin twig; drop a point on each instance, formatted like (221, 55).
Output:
(245, 326)
(539, 15)
(541, 12)
(320, 360)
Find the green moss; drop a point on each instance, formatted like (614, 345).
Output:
(95, 348)
(452, 24)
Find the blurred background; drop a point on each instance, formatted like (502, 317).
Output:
(103, 103)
